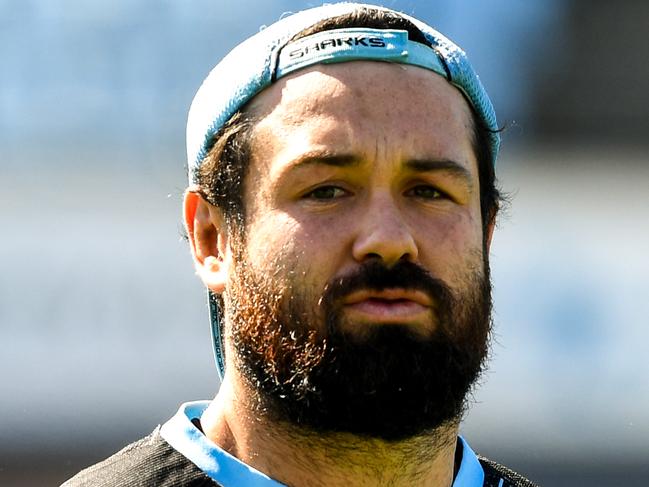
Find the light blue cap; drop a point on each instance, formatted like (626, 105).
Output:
(269, 55)
(265, 57)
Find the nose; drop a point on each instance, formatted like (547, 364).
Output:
(384, 234)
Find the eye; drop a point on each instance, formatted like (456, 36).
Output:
(325, 193)
(427, 192)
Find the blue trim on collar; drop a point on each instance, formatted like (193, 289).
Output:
(228, 471)
(215, 462)
(470, 473)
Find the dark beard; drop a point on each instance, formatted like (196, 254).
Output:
(390, 383)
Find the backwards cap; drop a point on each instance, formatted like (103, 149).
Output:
(269, 55)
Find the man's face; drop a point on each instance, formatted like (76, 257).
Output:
(359, 299)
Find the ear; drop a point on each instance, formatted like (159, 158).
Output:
(489, 231)
(208, 240)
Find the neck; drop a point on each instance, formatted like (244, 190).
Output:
(299, 458)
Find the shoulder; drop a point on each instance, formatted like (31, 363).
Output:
(496, 475)
(149, 461)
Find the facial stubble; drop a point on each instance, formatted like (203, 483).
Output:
(387, 383)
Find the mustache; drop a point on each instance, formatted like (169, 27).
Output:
(375, 276)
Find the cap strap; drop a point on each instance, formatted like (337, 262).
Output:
(216, 332)
(335, 46)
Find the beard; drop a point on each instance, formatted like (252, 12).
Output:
(389, 382)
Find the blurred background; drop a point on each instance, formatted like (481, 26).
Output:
(103, 325)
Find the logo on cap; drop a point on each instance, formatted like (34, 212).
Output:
(337, 42)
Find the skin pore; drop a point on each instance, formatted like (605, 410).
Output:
(353, 162)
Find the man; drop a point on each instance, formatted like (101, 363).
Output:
(340, 211)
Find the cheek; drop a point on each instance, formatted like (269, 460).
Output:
(448, 245)
(269, 239)
(290, 249)
(313, 251)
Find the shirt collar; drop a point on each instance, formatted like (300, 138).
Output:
(215, 462)
(228, 471)
(470, 473)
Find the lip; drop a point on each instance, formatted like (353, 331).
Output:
(396, 294)
(397, 306)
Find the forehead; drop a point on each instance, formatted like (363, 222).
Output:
(345, 104)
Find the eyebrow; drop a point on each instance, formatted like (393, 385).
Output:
(327, 159)
(450, 167)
